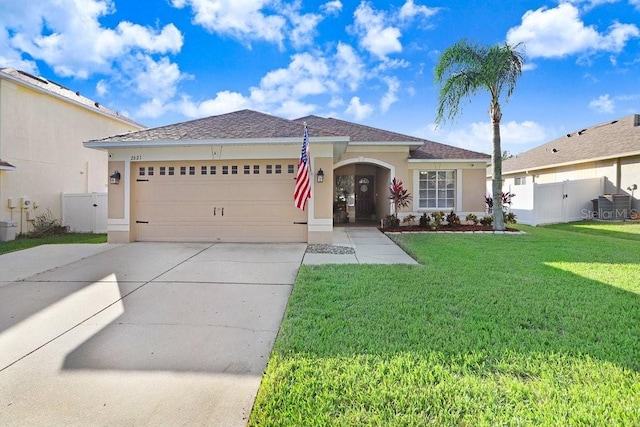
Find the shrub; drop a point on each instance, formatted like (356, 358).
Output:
(438, 217)
(486, 220)
(453, 219)
(46, 225)
(424, 220)
(409, 219)
(510, 218)
(391, 221)
(472, 218)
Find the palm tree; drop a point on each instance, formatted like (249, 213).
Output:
(465, 68)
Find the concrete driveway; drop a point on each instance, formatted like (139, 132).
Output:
(143, 334)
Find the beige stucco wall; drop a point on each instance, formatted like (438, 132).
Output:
(42, 136)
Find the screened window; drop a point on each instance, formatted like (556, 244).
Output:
(521, 180)
(437, 189)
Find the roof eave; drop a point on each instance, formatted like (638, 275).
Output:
(206, 142)
(572, 162)
(37, 88)
(453, 160)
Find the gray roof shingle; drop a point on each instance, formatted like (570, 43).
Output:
(607, 140)
(361, 133)
(243, 124)
(249, 124)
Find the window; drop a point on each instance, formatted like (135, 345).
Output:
(269, 169)
(192, 170)
(163, 170)
(290, 169)
(234, 170)
(212, 170)
(171, 170)
(437, 189)
(256, 169)
(203, 170)
(183, 170)
(142, 171)
(521, 180)
(225, 170)
(150, 171)
(278, 168)
(247, 169)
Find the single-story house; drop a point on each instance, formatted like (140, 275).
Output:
(231, 178)
(42, 127)
(594, 161)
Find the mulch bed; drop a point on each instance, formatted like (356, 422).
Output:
(452, 228)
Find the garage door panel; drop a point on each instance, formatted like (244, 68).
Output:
(256, 207)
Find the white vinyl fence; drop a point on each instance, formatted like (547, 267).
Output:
(538, 204)
(85, 212)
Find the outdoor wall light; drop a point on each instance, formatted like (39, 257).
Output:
(115, 178)
(320, 176)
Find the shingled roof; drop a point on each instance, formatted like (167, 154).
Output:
(243, 124)
(361, 133)
(63, 92)
(617, 138)
(249, 124)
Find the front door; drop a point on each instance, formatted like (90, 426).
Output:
(364, 197)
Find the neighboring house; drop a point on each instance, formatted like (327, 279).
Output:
(593, 161)
(42, 127)
(231, 178)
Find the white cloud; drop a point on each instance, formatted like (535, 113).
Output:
(332, 7)
(272, 21)
(409, 10)
(102, 87)
(478, 136)
(241, 19)
(376, 36)
(349, 67)
(602, 104)
(558, 32)
(358, 110)
(391, 96)
(224, 102)
(69, 37)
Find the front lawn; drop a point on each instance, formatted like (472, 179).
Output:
(27, 242)
(536, 329)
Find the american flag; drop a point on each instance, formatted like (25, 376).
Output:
(303, 184)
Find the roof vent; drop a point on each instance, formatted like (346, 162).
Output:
(555, 150)
(78, 93)
(97, 104)
(568, 135)
(581, 131)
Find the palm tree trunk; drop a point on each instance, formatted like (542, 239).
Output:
(498, 217)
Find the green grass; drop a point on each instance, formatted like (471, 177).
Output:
(536, 329)
(25, 242)
(621, 230)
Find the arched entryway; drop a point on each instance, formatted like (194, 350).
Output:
(361, 190)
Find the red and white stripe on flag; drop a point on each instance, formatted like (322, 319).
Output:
(303, 183)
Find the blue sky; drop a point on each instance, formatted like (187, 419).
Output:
(371, 62)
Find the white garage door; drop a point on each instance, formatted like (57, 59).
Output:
(217, 201)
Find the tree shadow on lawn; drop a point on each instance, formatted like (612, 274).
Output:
(473, 298)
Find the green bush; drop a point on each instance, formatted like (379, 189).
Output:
(424, 220)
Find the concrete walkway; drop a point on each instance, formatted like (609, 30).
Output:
(370, 245)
